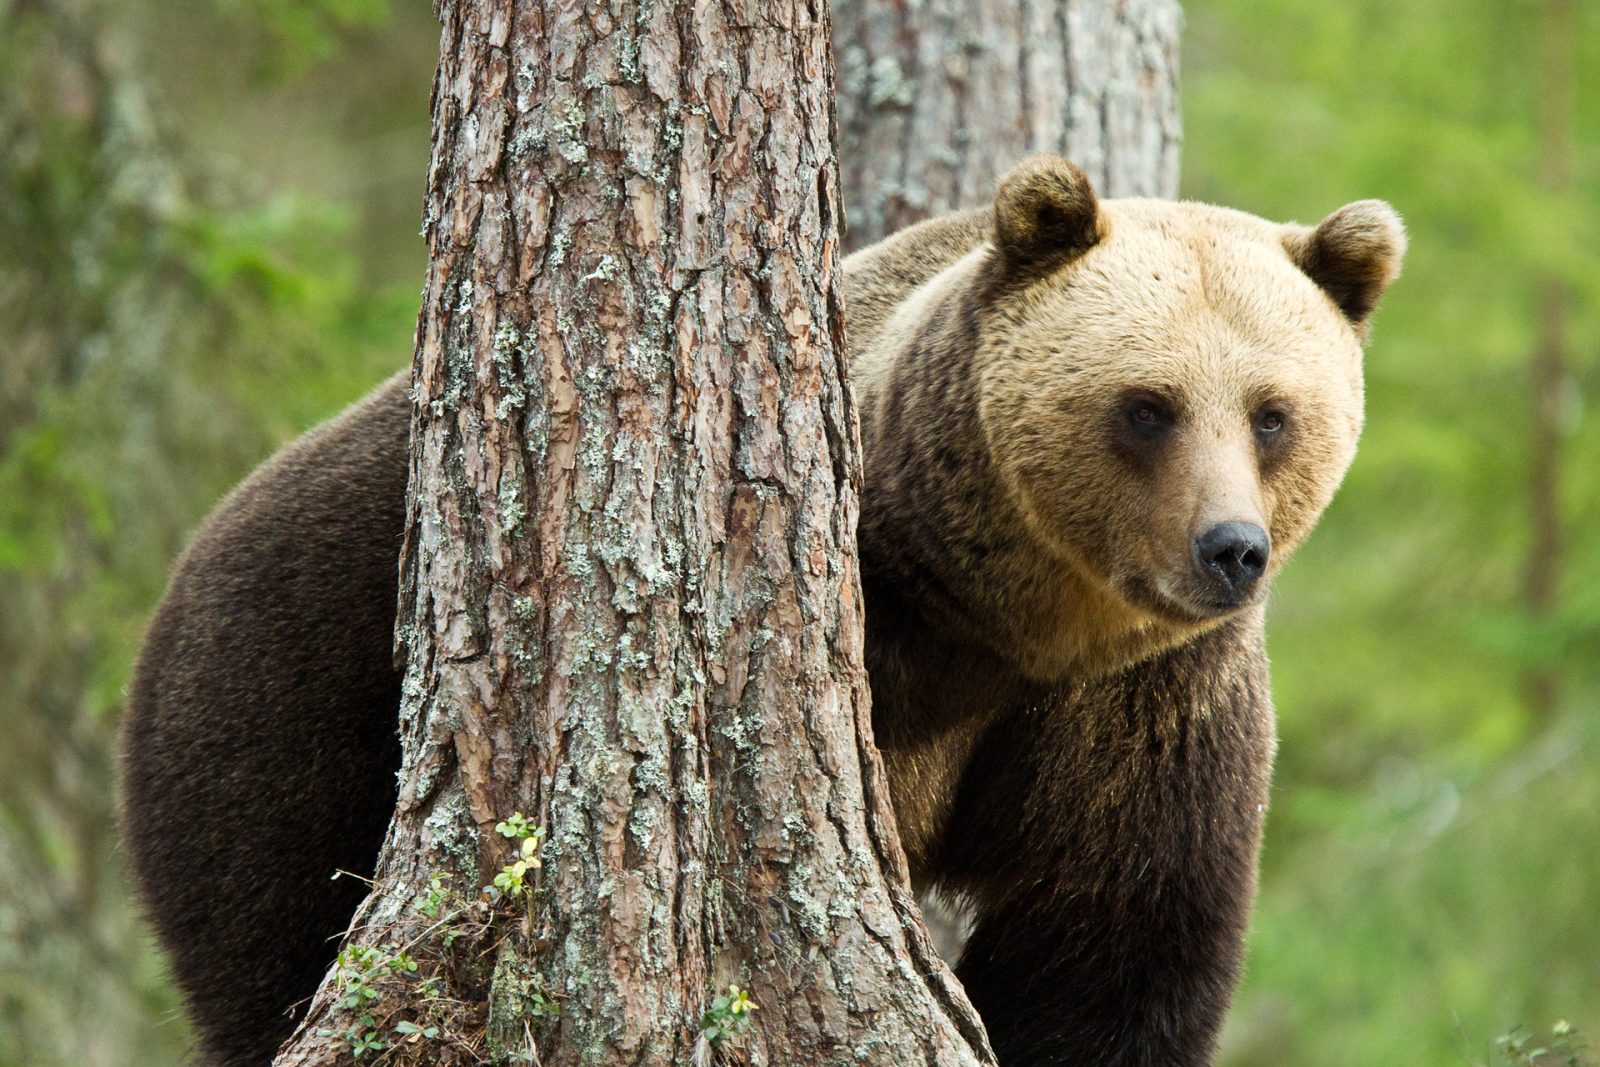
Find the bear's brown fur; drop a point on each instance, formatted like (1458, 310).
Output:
(1061, 400)
(1078, 741)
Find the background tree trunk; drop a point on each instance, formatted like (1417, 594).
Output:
(1552, 386)
(629, 591)
(938, 97)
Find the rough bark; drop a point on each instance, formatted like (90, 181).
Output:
(630, 600)
(938, 97)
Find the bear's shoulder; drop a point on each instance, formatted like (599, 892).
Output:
(878, 279)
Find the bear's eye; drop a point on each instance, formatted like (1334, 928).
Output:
(1269, 423)
(1148, 419)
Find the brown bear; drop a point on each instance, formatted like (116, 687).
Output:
(1092, 430)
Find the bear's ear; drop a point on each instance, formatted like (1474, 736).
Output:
(1353, 254)
(1045, 213)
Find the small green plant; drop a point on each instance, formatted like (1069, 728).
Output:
(1565, 1048)
(358, 970)
(512, 878)
(412, 1032)
(363, 1038)
(728, 1016)
(541, 1006)
(445, 907)
(394, 1002)
(434, 898)
(518, 826)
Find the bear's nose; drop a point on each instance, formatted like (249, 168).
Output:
(1233, 556)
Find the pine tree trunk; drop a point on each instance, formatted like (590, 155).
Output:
(1551, 384)
(938, 97)
(629, 592)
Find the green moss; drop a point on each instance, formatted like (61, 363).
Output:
(519, 1003)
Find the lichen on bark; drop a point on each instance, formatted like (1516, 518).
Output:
(630, 603)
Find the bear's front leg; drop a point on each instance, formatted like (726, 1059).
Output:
(1087, 982)
(1107, 838)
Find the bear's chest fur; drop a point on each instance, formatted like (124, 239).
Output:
(1155, 774)
(1103, 834)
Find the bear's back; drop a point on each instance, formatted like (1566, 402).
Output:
(260, 745)
(878, 279)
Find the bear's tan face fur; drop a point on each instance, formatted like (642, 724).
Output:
(1175, 367)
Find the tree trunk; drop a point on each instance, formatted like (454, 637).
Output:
(1548, 367)
(629, 592)
(938, 97)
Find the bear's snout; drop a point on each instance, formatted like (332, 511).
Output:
(1231, 557)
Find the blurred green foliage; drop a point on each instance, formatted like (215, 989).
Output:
(1431, 860)
(208, 214)
(172, 312)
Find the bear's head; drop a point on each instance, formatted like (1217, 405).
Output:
(1173, 391)
(1104, 428)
